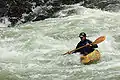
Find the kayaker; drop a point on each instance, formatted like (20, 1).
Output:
(84, 41)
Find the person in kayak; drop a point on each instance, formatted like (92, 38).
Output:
(88, 49)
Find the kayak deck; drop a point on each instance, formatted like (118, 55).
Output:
(93, 57)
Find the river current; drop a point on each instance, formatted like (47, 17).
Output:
(33, 51)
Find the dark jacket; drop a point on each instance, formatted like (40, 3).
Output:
(85, 50)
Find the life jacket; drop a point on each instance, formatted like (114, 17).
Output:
(85, 50)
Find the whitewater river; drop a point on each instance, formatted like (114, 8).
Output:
(33, 51)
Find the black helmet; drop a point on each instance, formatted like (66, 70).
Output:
(82, 34)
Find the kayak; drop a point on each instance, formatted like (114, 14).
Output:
(92, 57)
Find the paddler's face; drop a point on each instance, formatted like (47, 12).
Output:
(82, 38)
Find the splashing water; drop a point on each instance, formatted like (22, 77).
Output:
(33, 51)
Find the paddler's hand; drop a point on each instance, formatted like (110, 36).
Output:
(67, 53)
(89, 44)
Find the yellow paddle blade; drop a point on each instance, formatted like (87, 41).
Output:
(99, 40)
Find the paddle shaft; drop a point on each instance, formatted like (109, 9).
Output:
(98, 40)
(78, 48)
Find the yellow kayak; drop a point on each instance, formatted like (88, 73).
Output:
(93, 57)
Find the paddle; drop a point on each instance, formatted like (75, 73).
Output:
(97, 41)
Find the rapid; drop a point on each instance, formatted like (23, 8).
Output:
(33, 51)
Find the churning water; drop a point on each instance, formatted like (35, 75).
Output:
(33, 51)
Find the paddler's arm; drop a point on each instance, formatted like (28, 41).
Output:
(72, 52)
(78, 45)
(93, 45)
